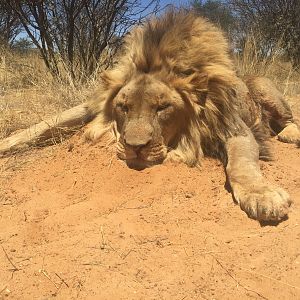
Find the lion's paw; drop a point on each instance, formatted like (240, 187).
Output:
(264, 202)
(92, 133)
(290, 134)
(96, 130)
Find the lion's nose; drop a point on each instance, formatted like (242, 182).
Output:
(137, 135)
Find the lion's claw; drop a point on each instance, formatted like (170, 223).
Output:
(264, 203)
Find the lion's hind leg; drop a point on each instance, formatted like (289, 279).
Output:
(274, 104)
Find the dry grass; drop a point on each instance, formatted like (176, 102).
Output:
(272, 66)
(28, 93)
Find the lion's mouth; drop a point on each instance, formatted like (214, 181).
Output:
(141, 159)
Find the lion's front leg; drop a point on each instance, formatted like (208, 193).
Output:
(260, 199)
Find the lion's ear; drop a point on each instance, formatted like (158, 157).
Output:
(111, 80)
(199, 81)
(196, 83)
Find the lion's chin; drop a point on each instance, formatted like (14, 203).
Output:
(140, 164)
(141, 160)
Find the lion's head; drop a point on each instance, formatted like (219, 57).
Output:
(148, 115)
(151, 114)
(171, 94)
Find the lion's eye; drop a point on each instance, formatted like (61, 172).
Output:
(123, 107)
(162, 107)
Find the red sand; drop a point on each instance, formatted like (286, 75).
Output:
(82, 225)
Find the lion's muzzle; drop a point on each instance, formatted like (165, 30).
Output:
(137, 135)
(138, 143)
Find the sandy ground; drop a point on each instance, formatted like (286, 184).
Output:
(81, 225)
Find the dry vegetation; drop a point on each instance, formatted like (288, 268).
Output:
(274, 66)
(29, 94)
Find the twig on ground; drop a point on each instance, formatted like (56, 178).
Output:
(3, 290)
(185, 252)
(14, 269)
(143, 206)
(157, 240)
(138, 207)
(123, 256)
(44, 272)
(62, 280)
(273, 279)
(103, 244)
(237, 281)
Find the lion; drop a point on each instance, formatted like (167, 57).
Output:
(174, 95)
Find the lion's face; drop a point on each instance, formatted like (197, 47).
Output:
(149, 115)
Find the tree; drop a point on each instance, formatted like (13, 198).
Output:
(10, 25)
(22, 45)
(277, 20)
(73, 36)
(216, 11)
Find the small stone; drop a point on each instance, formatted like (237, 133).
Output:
(188, 195)
(70, 147)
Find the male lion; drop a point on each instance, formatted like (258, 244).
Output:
(174, 96)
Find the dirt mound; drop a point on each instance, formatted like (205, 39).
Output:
(76, 223)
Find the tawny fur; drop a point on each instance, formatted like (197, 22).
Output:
(183, 56)
(191, 56)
